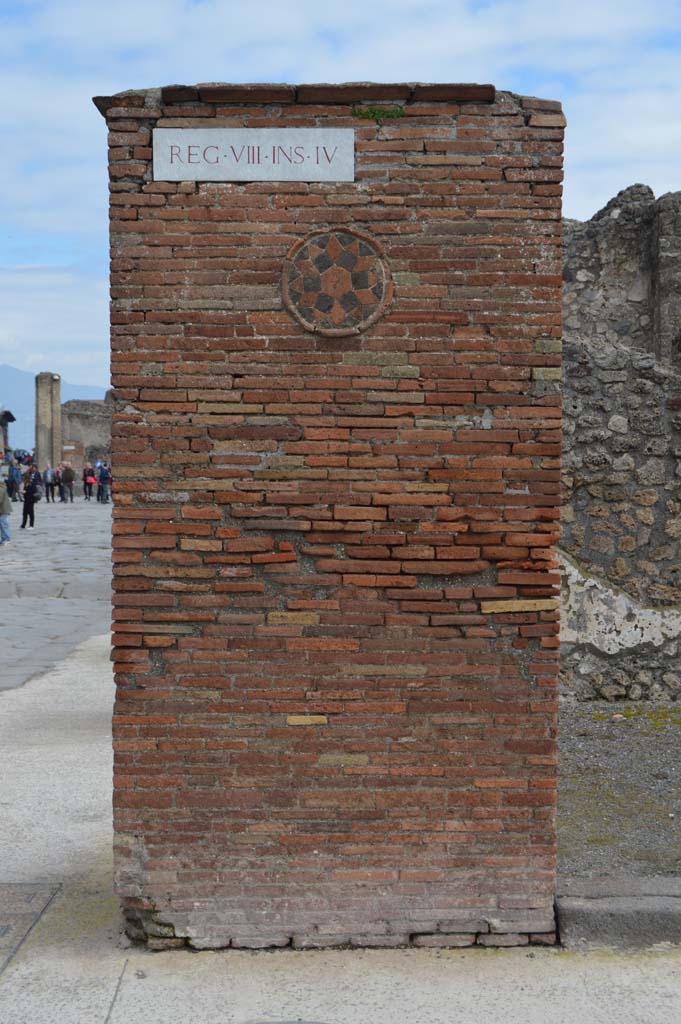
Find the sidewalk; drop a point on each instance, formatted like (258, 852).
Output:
(66, 960)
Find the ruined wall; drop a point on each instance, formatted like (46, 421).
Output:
(335, 590)
(86, 430)
(622, 449)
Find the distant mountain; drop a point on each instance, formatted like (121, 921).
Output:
(17, 393)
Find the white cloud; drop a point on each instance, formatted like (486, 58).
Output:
(614, 63)
(53, 319)
(596, 54)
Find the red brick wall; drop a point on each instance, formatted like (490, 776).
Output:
(335, 617)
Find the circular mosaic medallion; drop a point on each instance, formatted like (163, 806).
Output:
(336, 282)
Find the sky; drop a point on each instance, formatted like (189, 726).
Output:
(614, 64)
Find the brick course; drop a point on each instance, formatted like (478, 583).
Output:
(335, 613)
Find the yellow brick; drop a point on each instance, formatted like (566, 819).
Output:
(444, 160)
(547, 373)
(545, 605)
(547, 121)
(307, 720)
(292, 618)
(342, 759)
(229, 407)
(401, 372)
(426, 488)
(384, 670)
(549, 346)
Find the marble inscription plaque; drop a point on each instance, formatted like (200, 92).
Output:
(254, 154)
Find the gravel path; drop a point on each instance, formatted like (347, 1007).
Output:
(619, 807)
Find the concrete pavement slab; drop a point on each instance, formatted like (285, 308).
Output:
(55, 801)
(624, 912)
(387, 987)
(21, 907)
(55, 829)
(620, 922)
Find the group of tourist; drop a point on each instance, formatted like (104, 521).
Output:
(21, 481)
(59, 480)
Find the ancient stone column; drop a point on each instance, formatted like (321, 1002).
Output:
(336, 361)
(48, 441)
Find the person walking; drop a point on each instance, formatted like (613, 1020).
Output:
(5, 509)
(89, 479)
(32, 493)
(59, 481)
(105, 482)
(49, 478)
(15, 477)
(68, 477)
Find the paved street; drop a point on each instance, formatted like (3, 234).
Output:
(55, 586)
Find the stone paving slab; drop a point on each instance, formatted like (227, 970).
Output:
(55, 586)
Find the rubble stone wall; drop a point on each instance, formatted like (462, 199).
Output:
(622, 449)
(86, 429)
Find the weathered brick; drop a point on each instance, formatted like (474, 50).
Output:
(519, 605)
(547, 121)
(333, 554)
(307, 720)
